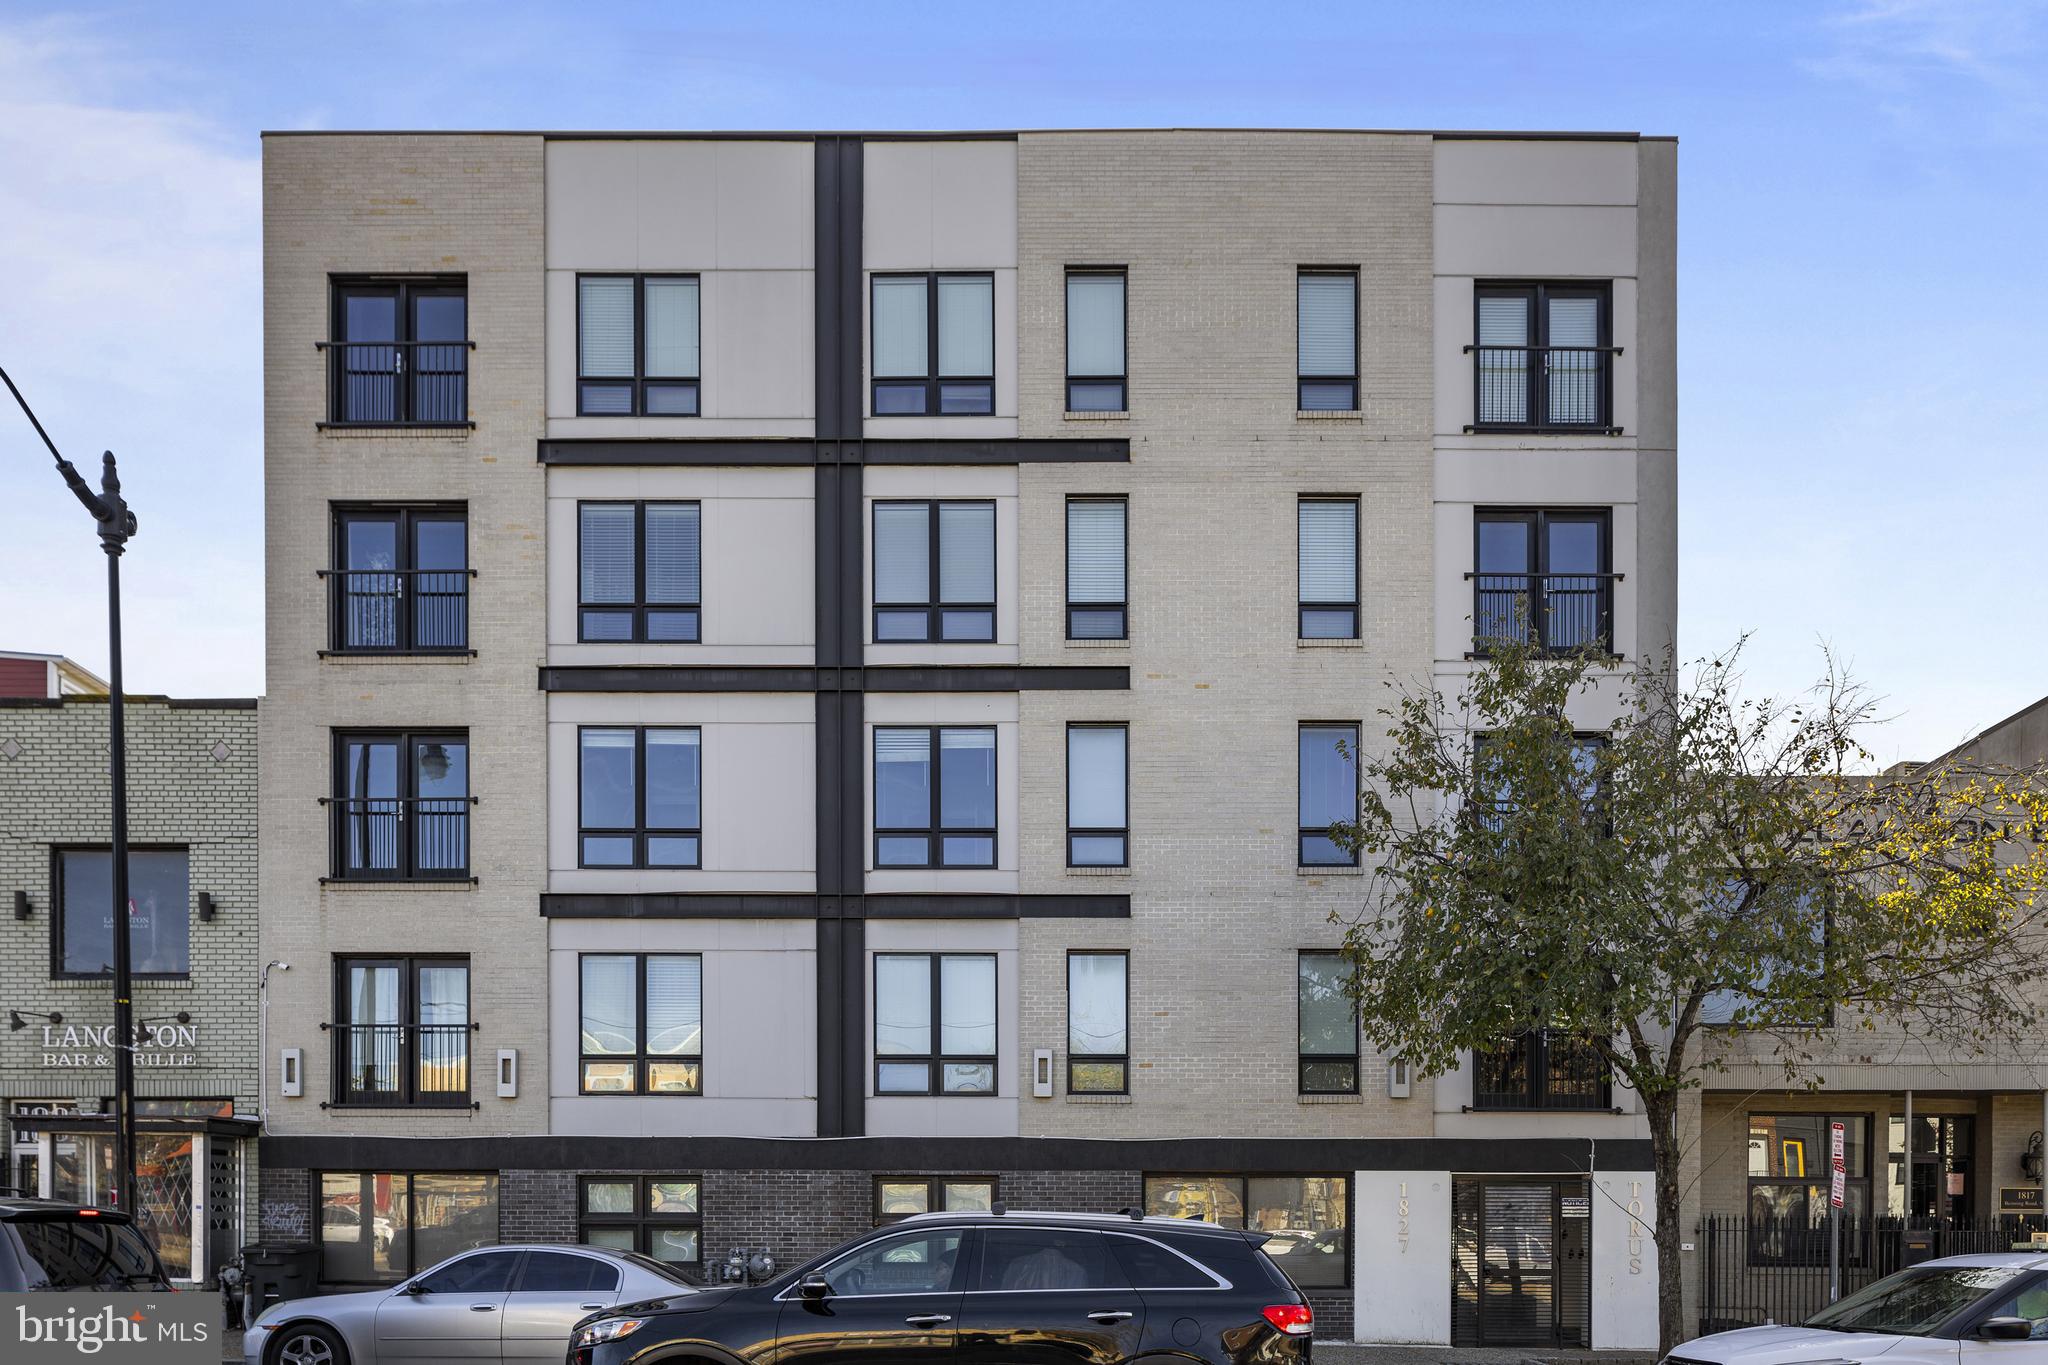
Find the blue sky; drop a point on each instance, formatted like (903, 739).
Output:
(1863, 187)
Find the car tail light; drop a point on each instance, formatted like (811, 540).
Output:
(1295, 1319)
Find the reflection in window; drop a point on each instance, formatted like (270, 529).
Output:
(656, 1215)
(1098, 1024)
(927, 816)
(642, 1023)
(898, 1197)
(159, 922)
(1328, 1061)
(1329, 792)
(958, 991)
(1789, 1164)
(1306, 1218)
(381, 1226)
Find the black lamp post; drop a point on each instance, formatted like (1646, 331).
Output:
(116, 525)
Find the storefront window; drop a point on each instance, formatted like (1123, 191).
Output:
(1307, 1218)
(1789, 1156)
(387, 1225)
(159, 922)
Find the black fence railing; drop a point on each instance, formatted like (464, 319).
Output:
(389, 838)
(1755, 1271)
(398, 611)
(1540, 388)
(1555, 612)
(397, 383)
(1542, 1071)
(402, 1064)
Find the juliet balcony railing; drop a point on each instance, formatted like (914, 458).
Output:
(1543, 388)
(397, 383)
(1556, 613)
(1548, 1070)
(389, 838)
(397, 1065)
(398, 611)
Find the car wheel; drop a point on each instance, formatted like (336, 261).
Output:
(308, 1343)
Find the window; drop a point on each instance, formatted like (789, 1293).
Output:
(1541, 358)
(911, 1263)
(565, 1272)
(1098, 1023)
(638, 796)
(656, 1215)
(642, 1024)
(898, 1197)
(1943, 1172)
(400, 582)
(1328, 1018)
(1738, 1007)
(636, 345)
(1547, 1069)
(1326, 340)
(1790, 1158)
(1098, 796)
(947, 999)
(401, 807)
(935, 815)
(920, 545)
(1095, 340)
(1327, 542)
(1329, 792)
(1308, 1217)
(1023, 1260)
(159, 916)
(1096, 593)
(1543, 577)
(399, 356)
(488, 1272)
(382, 1226)
(639, 571)
(933, 344)
(401, 1031)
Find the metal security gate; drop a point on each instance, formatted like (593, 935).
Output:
(1521, 1262)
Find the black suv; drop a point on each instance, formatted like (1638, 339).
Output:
(48, 1245)
(985, 1289)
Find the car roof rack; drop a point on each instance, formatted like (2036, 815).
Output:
(1125, 1215)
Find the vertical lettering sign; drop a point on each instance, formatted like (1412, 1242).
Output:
(1838, 1170)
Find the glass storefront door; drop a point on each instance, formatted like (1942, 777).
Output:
(1941, 1184)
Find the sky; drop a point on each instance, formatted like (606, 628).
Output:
(1862, 189)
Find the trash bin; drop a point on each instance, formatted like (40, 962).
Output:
(278, 1274)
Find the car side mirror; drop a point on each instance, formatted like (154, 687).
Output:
(2006, 1329)
(414, 1289)
(817, 1287)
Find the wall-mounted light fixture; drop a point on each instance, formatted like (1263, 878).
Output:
(206, 906)
(15, 1023)
(21, 905)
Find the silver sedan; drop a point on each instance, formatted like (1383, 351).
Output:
(494, 1304)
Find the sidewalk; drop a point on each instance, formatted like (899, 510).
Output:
(1327, 1353)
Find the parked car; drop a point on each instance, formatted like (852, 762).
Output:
(1959, 1310)
(987, 1287)
(48, 1245)
(493, 1304)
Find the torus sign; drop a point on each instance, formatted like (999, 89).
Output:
(149, 1329)
(164, 1045)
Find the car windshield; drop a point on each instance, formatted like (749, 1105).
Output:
(1914, 1302)
(74, 1251)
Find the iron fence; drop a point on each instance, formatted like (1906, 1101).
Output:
(400, 1064)
(391, 838)
(1537, 387)
(398, 611)
(1550, 1070)
(1555, 612)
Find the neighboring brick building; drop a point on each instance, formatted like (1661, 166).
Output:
(791, 658)
(192, 868)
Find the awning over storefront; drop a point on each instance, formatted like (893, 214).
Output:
(211, 1125)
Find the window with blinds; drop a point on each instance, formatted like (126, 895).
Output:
(1326, 340)
(1098, 796)
(641, 1023)
(1328, 792)
(1098, 1023)
(935, 796)
(932, 344)
(1095, 341)
(935, 1024)
(639, 796)
(639, 571)
(934, 571)
(1328, 575)
(1097, 599)
(638, 345)
(1542, 357)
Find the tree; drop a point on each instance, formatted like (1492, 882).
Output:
(1705, 848)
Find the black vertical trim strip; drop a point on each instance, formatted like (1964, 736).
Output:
(831, 1076)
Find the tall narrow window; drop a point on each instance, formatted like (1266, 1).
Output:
(400, 582)
(642, 1023)
(640, 796)
(639, 571)
(1098, 1023)
(1326, 340)
(939, 814)
(935, 1024)
(933, 344)
(637, 345)
(1097, 595)
(401, 806)
(1095, 340)
(935, 571)
(1329, 792)
(1543, 577)
(399, 355)
(1327, 542)
(401, 1033)
(1098, 796)
(1541, 357)
(1329, 1026)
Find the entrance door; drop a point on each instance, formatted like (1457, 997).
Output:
(1521, 1262)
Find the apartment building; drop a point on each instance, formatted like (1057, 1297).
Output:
(791, 655)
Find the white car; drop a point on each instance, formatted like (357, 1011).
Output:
(1959, 1310)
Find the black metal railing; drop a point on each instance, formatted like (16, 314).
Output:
(389, 838)
(1541, 388)
(1554, 612)
(1552, 1070)
(398, 611)
(403, 1064)
(397, 383)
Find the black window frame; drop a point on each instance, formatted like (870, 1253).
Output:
(1121, 274)
(405, 517)
(1304, 833)
(1588, 739)
(413, 1267)
(934, 834)
(935, 607)
(1539, 520)
(1244, 1179)
(1537, 294)
(1122, 609)
(407, 801)
(410, 1094)
(934, 1194)
(934, 382)
(58, 851)
(642, 1060)
(1809, 1244)
(936, 1061)
(640, 831)
(1301, 380)
(639, 608)
(1076, 832)
(643, 1222)
(1548, 1085)
(1302, 607)
(1122, 1060)
(639, 380)
(336, 351)
(1303, 1059)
